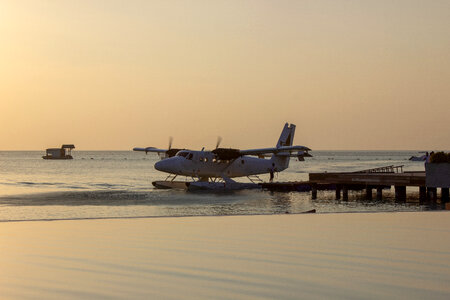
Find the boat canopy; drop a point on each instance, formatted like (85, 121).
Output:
(68, 146)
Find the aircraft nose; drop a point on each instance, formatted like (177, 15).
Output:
(161, 165)
(167, 165)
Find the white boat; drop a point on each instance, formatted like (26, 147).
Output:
(419, 158)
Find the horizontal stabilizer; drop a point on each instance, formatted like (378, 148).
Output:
(150, 149)
(305, 154)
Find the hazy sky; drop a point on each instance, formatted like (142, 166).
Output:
(118, 74)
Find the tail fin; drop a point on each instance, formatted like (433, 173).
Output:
(286, 139)
(287, 135)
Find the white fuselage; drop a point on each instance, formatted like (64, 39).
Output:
(204, 164)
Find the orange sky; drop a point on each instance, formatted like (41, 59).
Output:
(118, 74)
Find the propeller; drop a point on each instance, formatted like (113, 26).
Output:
(219, 139)
(168, 152)
(172, 151)
(170, 142)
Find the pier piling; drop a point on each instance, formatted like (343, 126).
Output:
(338, 192)
(314, 191)
(432, 194)
(400, 192)
(369, 193)
(422, 194)
(379, 193)
(345, 193)
(444, 195)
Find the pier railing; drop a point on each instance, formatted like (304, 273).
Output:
(386, 169)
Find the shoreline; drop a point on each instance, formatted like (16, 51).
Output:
(210, 216)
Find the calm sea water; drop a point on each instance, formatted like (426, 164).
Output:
(117, 184)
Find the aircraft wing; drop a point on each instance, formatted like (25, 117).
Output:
(150, 149)
(282, 150)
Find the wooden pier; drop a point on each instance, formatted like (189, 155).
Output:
(369, 180)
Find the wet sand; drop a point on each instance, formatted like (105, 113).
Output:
(346, 256)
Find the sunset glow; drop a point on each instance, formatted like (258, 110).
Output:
(115, 74)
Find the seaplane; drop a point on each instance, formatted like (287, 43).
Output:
(214, 169)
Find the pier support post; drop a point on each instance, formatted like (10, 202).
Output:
(400, 193)
(444, 195)
(432, 194)
(314, 191)
(338, 192)
(379, 193)
(369, 193)
(345, 193)
(422, 194)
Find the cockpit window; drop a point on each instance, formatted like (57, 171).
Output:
(190, 156)
(181, 153)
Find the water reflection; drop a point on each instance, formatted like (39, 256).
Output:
(281, 202)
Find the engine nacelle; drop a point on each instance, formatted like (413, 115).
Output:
(226, 153)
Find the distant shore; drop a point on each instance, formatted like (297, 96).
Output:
(344, 255)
